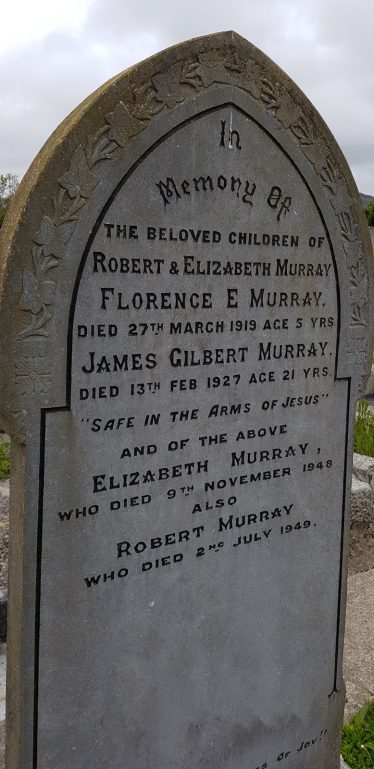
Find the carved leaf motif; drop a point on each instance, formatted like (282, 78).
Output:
(342, 221)
(78, 180)
(168, 88)
(245, 74)
(353, 251)
(288, 111)
(122, 125)
(358, 272)
(328, 176)
(359, 292)
(36, 293)
(37, 325)
(211, 72)
(316, 153)
(95, 140)
(357, 318)
(359, 295)
(303, 130)
(146, 105)
(103, 150)
(349, 228)
(251, 82)
(189, 74)
(99, 147)
(168, 85)
(269, 94)
(342, 199)
(32, 375)
(52, 238)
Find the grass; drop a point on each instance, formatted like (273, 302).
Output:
(358, 739)
(4, 460)
(364, 430)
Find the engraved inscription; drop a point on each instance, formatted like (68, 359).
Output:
(204, 340)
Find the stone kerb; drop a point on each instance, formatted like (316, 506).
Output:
(362, 499)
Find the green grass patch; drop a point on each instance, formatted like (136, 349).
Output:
(4, 460)
(364, 430)
(358, 739)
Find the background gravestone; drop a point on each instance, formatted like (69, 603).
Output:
(186, 327)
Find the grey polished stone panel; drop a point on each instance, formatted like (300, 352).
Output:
(192, 333)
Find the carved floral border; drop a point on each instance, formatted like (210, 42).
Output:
(164, 91)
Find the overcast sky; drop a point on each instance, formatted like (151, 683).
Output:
(53, 53)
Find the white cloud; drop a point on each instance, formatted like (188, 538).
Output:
(56, 53)
(23, 22)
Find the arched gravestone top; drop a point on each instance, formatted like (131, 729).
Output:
(84, 161)
(215, 162)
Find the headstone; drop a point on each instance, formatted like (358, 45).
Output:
(186, 327)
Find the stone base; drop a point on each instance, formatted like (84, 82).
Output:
(362, 499)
